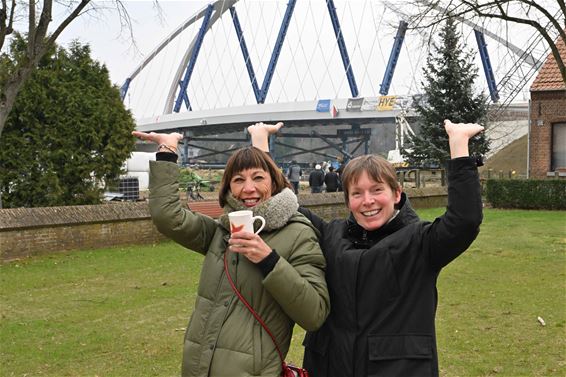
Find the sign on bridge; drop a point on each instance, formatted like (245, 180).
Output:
(354, 132)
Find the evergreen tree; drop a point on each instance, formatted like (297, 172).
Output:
(449, 94)
(67, 133)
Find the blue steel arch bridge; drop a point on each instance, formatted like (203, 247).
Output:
(336, 72)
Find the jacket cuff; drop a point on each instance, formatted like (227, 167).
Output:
(166, 156)
(466, 163)
(268, 263)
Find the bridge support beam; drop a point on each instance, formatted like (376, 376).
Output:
(342, 47)
(336, 144)
(247, 59)
(313, 151)
(185, 96)
(333, 145)
(124, 88)
(393, 58)
(192, 62)
(486, 63)
(213, 152)
(185, 157)
(277, 50)
(272, 146)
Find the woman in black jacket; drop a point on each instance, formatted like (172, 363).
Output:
(382, 267)
(331, 180)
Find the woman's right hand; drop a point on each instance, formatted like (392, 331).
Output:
(265, 128)
(260, 132)
(168, 139)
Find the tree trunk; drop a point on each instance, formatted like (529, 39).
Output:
(10, 91)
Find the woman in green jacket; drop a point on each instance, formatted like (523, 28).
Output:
(280, 272)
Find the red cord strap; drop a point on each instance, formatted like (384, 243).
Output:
(256, 316)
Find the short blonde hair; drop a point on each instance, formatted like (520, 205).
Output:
(377, 168)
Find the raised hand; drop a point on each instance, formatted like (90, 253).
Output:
(263, 127)
(171, 140)
(458, 136)
(260, 132)
(462, 129)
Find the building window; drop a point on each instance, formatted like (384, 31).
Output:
(558, 146)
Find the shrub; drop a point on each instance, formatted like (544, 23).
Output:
(187, 176)
(527, 194)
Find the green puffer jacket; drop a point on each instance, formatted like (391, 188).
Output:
(223, 338)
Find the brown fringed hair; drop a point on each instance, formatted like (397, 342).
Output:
(250, 158)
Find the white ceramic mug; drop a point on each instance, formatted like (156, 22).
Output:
(244, 221)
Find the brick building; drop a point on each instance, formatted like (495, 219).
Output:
(547, 129)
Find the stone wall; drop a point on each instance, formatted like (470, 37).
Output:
(26, 232)
(547, 109)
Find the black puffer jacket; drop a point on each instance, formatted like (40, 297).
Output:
(383, 285)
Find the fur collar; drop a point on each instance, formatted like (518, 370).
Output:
(276, 210)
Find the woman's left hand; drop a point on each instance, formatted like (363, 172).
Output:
(249, 245)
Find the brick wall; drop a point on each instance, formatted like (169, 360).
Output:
(26, 232)
(547, 108)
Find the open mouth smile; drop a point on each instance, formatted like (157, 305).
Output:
(250, 202)
(370, 213)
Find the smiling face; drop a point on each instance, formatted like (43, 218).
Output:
(372, 203)
(252, 177)
(251, 186)
(371, 190)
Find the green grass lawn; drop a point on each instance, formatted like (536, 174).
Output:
(123, 311)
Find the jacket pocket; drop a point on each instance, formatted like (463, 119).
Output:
(400, 355)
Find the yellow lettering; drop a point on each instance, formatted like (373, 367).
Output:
(386, 103)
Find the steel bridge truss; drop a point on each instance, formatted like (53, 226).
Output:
(213, 12)
(210, 14)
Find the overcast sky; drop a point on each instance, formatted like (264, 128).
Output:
(113, 46)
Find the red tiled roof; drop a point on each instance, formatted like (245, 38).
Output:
(549, 77)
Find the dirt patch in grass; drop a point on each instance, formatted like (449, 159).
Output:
(511, 158)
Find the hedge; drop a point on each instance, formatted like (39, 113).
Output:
(527, 194)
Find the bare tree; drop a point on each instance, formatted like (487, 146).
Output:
(38, 38)
(546, 17)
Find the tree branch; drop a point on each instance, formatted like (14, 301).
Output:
(44, 20)
(74, 14)
(3, 23)
(126, 22)
(550, 17)
(497, 9)
(540, 29)
(10, 27)
(31, 27)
